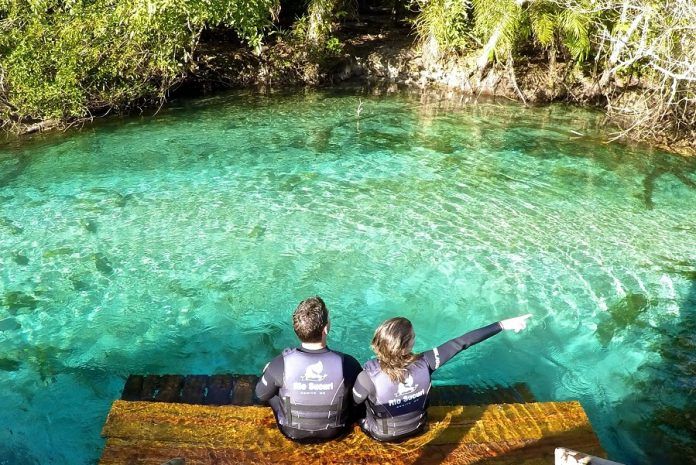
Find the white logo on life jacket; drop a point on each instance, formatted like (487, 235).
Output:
(406, 387)
(314, 372)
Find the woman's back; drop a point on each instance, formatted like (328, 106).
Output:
(397, 409)
(395, 386)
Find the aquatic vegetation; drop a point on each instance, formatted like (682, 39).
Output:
(623, 315)
(103, 264)
(10, 226)
(17, 301)
(685, 268)
(80, 283)
(61, 251)
(7, 364)
(20, 259)
(90, 225)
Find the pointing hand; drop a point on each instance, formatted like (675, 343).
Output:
(517, 324)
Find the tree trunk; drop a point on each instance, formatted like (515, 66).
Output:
(482, 62)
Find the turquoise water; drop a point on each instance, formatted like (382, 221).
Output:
(181, 243)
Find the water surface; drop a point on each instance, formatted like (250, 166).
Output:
(181, 243)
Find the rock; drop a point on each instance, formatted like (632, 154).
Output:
(9, 324)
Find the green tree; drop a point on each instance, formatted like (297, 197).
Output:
(65, 58)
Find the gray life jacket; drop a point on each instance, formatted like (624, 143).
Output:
(313, 391)
(398, 408)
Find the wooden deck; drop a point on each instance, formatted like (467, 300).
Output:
(152, 431)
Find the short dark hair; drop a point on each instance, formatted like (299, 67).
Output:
(309, 319)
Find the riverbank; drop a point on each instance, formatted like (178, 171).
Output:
(383, 55)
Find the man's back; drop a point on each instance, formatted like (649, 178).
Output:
(310, 391)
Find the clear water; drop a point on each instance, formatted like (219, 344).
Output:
(182, 243)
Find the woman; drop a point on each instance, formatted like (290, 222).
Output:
(396, 384)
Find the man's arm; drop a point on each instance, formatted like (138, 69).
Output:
(362, 388)
(351, 370)
(271, 380)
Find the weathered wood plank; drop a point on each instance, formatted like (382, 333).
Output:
(152, 433)
(196, 386)
(194, 389)
(170, 388)
(244, 390)
(220, 390)
(133, 388)
(150, 386)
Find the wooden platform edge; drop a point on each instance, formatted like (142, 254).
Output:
(143, 432)
(235, 389)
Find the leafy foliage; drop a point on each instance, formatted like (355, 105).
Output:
(442, 25)
(64, 58)
(545, 22)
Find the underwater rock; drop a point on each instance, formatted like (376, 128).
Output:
(89, 224)
(17, 300)
(257, 231)
(9, 324)
(103, 264)
(622, 315)
(78, 284)
(20, 259)
(7, 364)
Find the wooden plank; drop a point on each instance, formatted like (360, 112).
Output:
(194, 389)
(219, 390)
(523, 434)
(133, 388)
(170, 388)
(150, 386)
(244, 390)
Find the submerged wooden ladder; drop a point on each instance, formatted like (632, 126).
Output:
(217, 420)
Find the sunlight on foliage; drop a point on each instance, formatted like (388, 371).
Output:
(66, 58)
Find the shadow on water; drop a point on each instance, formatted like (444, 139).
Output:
(664, 435)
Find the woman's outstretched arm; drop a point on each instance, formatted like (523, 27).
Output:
(444, 353)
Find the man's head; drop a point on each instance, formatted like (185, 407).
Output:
(311, 320)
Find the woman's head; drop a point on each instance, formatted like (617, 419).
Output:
(393, 344)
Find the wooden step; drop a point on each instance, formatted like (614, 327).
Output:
(226, 389)
(151, 433)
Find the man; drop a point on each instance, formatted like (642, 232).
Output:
(309, 387)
